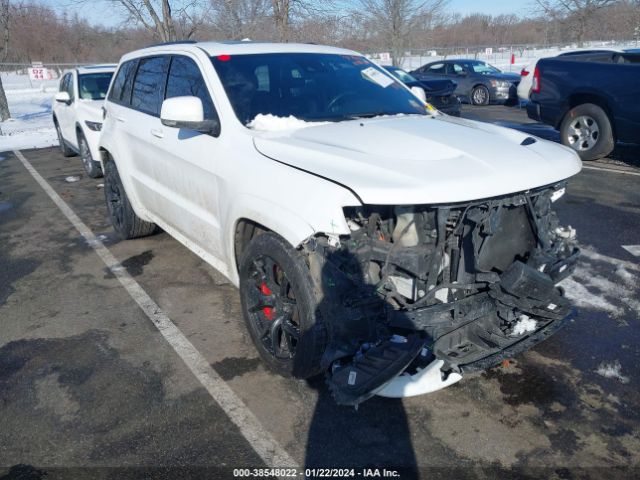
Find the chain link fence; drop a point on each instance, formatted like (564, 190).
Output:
(35, 75)
(507, 57)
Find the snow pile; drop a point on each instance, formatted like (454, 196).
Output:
(612, 370)
(31, 124)
(625, 275)
(525, 324)
(272, 123)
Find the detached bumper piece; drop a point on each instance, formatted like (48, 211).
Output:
(417, 296)
(372, 369)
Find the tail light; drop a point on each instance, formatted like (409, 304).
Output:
(524, 72)
(535, 84)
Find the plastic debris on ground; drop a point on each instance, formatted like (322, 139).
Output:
(72, 179)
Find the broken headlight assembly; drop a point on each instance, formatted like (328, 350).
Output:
(417, 295)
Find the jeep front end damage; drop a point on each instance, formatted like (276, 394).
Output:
(416, 296)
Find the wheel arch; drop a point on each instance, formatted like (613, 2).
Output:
(249, 225)
(580, 98)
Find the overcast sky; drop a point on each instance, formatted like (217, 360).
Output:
(92, 12)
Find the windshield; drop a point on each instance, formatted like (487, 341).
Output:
(94, 86)
(311, 87)
(402, 75)
(484, 68)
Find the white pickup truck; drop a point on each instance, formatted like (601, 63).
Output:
(372, 238)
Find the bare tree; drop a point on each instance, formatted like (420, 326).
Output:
(238, 19)
(4, 24)
(285, 11)
(397, 20)
(159, 17)
(576, 13)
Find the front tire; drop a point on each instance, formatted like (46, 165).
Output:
(124, 220)
(90, 165)
(587, 129)
(280, 307)
(480, 96)
(64, 148)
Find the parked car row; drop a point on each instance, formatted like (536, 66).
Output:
(477, 81)
(372, 238)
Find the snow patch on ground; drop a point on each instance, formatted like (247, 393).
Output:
(587, 290)
(625, 275)
(272, 123)
(31, 123)
(524, 325)
(612, 370)
(582, 297)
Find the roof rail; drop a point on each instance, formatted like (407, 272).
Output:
(177, 42)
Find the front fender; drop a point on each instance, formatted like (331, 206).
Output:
(292, 225)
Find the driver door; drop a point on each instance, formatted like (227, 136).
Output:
(459, 74)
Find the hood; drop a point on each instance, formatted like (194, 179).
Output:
(509, 77)
(421, 159)
(92, 109)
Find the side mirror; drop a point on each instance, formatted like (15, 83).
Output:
(63, 97)
(419, 92)
(187, 112)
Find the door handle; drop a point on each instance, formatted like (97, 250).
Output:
(157, 133)
(120, 119)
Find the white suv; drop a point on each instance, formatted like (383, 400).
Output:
(77, 113)
(372, 238)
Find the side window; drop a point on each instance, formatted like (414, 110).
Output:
(454, 69)
(438, 68)
(121, 90)
(63, 83)
(148, 87)
(69, 85)
(185, 80)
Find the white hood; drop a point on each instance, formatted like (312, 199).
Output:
(421, 160)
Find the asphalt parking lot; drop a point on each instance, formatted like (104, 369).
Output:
(91, 387)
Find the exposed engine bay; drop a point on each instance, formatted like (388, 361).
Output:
(465, 285)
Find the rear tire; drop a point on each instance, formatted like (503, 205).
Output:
(90, 165)
(64, 148)
(480, 96)
(124, 220)
(587, 130)
(280, 307)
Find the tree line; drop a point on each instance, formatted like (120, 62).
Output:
(35, 32)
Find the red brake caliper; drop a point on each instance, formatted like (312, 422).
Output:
(268, 311)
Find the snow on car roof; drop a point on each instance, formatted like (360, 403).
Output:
(240, 48)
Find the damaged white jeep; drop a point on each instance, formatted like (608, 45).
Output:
(373, 239)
